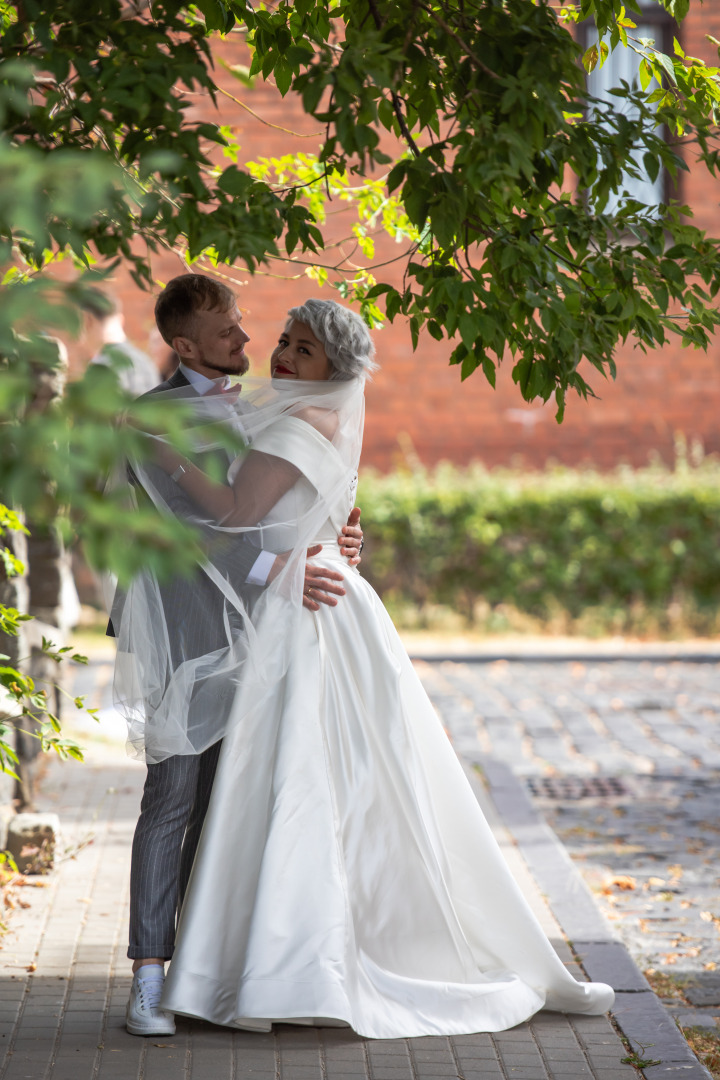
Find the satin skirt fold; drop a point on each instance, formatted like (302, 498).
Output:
(346, 873)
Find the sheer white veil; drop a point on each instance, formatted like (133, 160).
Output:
(196, 653)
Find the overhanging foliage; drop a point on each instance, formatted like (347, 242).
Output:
(495, 171)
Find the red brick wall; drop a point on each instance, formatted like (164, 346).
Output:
(418, 400)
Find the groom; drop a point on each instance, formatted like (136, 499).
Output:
(198, 317)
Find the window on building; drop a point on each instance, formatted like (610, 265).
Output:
(623, 65)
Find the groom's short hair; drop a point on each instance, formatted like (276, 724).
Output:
(181, 299)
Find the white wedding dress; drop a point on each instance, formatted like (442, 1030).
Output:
(346, 874)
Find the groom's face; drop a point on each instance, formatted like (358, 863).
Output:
(217, 345)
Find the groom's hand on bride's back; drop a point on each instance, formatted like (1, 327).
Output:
(321, 585)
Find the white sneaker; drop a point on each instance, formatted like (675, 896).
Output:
(144, 1015)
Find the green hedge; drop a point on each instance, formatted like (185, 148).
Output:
(635, 550)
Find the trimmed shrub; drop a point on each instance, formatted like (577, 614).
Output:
(634, 550)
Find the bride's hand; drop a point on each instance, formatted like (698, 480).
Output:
(351, 538)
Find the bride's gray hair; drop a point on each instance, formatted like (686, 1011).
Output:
(345, 337)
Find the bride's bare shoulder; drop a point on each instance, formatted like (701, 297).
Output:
(323, 420)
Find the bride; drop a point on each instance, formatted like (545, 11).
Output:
(346, 874)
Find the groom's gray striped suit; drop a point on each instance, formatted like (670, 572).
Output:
(177, 790)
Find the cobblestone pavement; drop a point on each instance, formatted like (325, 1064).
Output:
(623, 759)
(64, 977)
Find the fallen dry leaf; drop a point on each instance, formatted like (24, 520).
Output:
(656, 881)
(710, 966)
(32, 967)
(623, 881)
(675, 871)
(694, 950)
(668, 958)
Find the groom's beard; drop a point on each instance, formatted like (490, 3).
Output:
(236, 364)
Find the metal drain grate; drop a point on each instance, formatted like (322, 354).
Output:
(576, 787)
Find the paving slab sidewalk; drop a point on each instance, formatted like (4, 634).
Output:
(621, 757)
(64, 978)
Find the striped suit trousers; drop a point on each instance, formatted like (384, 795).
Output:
(175, 800)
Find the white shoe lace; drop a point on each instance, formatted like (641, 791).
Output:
(149, 994)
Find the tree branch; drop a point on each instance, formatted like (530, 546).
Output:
(468, 52)
(397, 105)
(277, 127)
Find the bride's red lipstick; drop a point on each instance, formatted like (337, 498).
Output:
(281, 369)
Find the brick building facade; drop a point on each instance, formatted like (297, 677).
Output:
(417, 402)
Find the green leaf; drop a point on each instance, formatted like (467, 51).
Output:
(652, 165)
(590, 58)
(393, 304)
(217, 15)
(489, 370)
(645, 74)
(666, 63)
(468, 366)
(235, 182)
(677, 8)
(283, 73)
